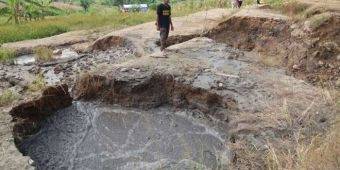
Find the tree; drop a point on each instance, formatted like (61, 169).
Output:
(19, 10)
(85, 4)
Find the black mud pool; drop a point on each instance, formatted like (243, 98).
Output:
(97, 136)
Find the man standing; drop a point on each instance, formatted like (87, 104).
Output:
(164, 23)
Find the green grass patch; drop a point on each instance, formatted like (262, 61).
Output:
(7, 97)
(96, 18)
(6, 55)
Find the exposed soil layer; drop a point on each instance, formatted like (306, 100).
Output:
(223, 88)
(233, 100)
(307, 53)
(28, 115)
(150, 92)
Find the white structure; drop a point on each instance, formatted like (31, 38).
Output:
(134, 7)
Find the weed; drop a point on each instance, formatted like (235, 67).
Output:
(277, 4)
(38, 84)
(7, 97)
(6, 55)
(314, 11)
(43, 54)
(317, 20)
(294, 8)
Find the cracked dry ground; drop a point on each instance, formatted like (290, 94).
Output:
(204, 105)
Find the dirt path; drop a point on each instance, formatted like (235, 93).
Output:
(191, 24)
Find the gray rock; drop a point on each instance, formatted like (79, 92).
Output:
(337, 83)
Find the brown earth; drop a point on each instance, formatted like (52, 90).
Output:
(278, 42)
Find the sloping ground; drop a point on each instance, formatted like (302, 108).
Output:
(66, 39)
(144, 36)
(266, 111)
(10, 157)
(333, 5)
(254, 106)
(195, 23)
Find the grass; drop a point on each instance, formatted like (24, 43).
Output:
(111, 17)
(7, 97)
(294, 8)
(317, 20)
(43, 54)
(6, 55)
(38, 84)
(299, 140)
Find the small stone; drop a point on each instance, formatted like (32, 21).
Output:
(331, 66)
(124, 70)
(220, 84)
(296, 67)
(337, 83)
(31, 162)
(57, 52)
(338, 57)
(321, 63)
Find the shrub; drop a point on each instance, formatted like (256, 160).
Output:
(6, 55)
(317, 20)
(7, 97)
(43, 54)
(38, 84)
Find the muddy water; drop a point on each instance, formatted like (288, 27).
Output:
(94, 136)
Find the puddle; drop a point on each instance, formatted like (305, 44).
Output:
(29, 59)
(25, 60)
(96, 136)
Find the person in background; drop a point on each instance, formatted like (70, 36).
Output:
(239, 3)
(164, 23)
(234, 3)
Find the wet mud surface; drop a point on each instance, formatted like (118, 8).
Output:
(96, 136)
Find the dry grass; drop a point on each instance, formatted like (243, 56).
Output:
(318, 20)
(6, 55)
(38, 84)
(314, 10)
(293, 8)
(7, 97)
(43, 54)
(286, 138)
(88, 86)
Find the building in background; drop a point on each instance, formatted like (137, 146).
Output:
(134, 8)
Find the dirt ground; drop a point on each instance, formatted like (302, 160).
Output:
(257, 60)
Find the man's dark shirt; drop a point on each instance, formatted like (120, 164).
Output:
(164, 13)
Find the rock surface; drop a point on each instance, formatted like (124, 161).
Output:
(188, 79)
